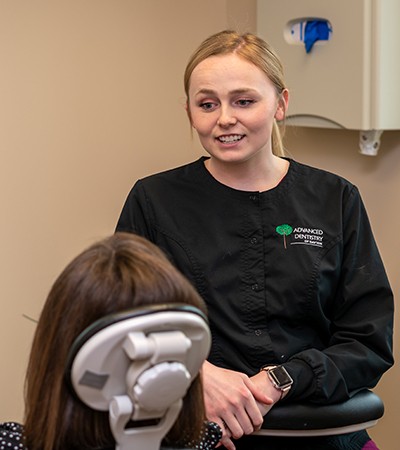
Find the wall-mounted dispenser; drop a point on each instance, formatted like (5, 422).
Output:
(342, 62)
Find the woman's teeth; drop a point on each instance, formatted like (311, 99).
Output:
(229, 139)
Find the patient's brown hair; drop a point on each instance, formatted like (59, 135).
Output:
(113, 275)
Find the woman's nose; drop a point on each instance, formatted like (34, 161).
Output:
(226, 117)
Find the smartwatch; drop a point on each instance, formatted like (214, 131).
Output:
(280, 378)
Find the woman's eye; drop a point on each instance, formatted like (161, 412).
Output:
(245, 102)
(207, 106)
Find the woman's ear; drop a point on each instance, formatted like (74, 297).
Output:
(187, 108)
(283, 103)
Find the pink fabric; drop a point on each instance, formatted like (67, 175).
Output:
(370, 445)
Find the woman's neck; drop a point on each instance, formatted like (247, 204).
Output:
(247, 176)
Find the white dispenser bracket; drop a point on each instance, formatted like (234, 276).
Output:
(370, 141)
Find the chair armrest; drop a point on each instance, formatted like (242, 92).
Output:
(359, 412)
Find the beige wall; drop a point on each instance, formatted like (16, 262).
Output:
(90, 99)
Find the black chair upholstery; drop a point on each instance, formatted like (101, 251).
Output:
(362, 411)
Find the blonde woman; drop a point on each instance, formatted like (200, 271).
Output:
(283, 254)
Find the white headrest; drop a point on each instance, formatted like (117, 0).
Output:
(138, 365)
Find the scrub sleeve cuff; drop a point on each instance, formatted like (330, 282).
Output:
(304, 382)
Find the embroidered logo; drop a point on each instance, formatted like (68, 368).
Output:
(284, 230)
(300, 235)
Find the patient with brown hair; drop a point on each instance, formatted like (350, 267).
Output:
(116, 274)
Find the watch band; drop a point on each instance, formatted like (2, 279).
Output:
(279, 378)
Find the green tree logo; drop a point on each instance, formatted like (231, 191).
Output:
(284, 230)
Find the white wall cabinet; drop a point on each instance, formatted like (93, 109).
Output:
(351, 80)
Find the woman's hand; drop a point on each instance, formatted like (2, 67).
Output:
(235, 401)
(264, 384)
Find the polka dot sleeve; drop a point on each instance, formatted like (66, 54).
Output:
(11, 436)
(209, 438)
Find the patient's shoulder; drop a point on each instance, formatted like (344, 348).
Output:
(11, 436)
(209, 438)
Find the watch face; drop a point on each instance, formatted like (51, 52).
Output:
(280, 376)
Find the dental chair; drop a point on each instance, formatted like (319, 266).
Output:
(138, 365)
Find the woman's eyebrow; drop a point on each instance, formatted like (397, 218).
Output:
(206, 91)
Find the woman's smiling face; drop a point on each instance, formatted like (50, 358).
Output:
(232, 105)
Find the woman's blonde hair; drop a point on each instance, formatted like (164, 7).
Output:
(113, 275)
(254, 50)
